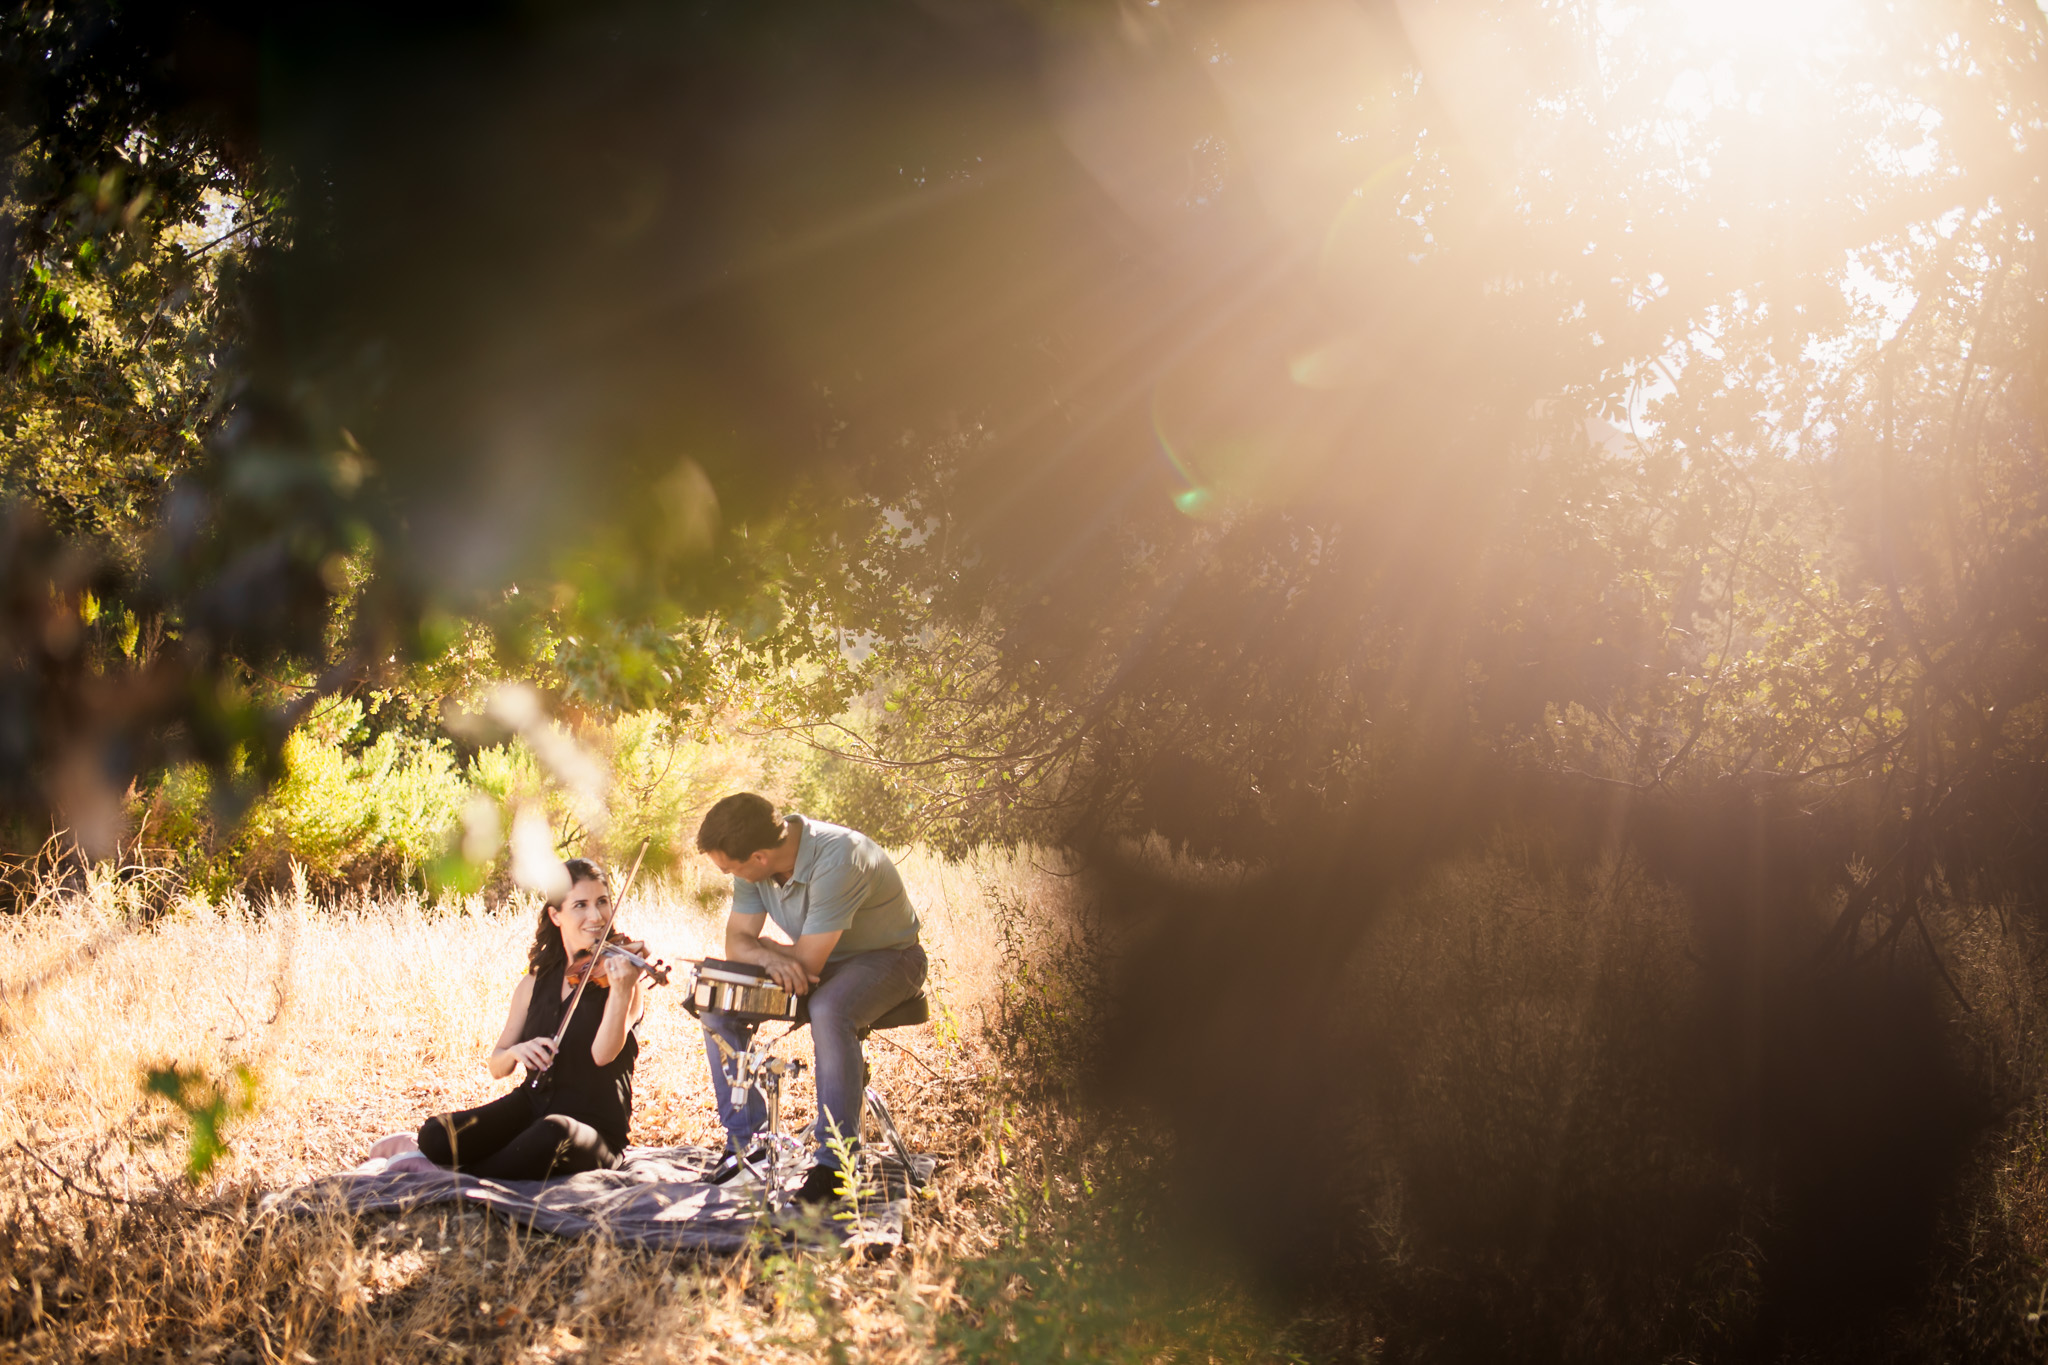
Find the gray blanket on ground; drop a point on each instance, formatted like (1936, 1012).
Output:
(656, 1198)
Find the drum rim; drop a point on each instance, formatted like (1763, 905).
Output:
(717, 974)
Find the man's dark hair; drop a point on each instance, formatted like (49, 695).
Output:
(739, 826)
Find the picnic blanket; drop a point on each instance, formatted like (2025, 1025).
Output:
(655, 1198)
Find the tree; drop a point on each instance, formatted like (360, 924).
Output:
(1216, 421)
(492, 333)
(1611, 405)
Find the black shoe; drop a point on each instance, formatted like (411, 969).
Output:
(730, 1166)
(822, 1186)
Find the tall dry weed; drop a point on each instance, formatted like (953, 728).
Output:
(1535, 1157)
(1541, 1115)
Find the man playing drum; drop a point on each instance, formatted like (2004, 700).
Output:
(853, 949)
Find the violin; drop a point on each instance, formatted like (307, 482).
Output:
(617, 947)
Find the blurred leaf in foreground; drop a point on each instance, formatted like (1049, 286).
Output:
(208, 1105)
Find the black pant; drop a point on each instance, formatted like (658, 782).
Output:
(510, 1139)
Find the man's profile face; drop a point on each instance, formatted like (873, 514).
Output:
(752, 868)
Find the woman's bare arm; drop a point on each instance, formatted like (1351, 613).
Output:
(622, 1009)
(507, 1054)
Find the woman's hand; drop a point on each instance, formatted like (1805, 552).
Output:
(535, 1054)
(622, 1007)
(624, 975)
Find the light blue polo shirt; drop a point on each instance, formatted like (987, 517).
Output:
(842, 880)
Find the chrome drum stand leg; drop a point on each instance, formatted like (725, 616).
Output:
(889, 1130)
(770, 1074)
(758, 1068)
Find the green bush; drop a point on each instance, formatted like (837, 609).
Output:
(877, 801)
(359, 808)
(663, 776)
(348, 813)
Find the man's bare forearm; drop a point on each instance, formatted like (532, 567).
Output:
(741, 946)
(781, 961)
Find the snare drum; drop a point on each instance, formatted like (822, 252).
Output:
(741, 991)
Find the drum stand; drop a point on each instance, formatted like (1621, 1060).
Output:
(756, 1067)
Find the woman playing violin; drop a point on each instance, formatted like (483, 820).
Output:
(573, 1111)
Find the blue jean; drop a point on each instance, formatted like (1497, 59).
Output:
(854, 993)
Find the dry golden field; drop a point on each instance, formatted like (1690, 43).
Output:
(1511, 1053)
(360, 1018)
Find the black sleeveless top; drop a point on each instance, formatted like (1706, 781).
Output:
(575, 1086)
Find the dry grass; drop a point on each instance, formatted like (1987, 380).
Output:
(360, 1019)
(1533, 1163)
(1564, 1139)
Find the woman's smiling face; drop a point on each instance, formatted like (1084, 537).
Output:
(582, 914)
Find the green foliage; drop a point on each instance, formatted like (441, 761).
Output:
(350, 810)
(387, 804)
(1071, 1285)
(231, 417)
(208, 1104)
(884, 802)
(128, 224)
(1710, 512)
(663, 773)
(374, 799)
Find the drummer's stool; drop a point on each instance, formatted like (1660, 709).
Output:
(916, 1010)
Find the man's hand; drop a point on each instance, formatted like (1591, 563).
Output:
(743, 943)
(786, 971)
(535, 1054)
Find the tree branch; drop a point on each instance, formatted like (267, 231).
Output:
(113, 1198)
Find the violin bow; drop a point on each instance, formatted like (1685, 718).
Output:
(569, 1010)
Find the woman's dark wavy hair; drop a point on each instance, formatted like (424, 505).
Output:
(547, 949)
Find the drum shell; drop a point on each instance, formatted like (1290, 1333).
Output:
(758, 1003)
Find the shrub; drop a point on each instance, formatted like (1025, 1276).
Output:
(1534, 1160)
(347, 813)
(880, 802)
(386, 810)
(662, 778)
